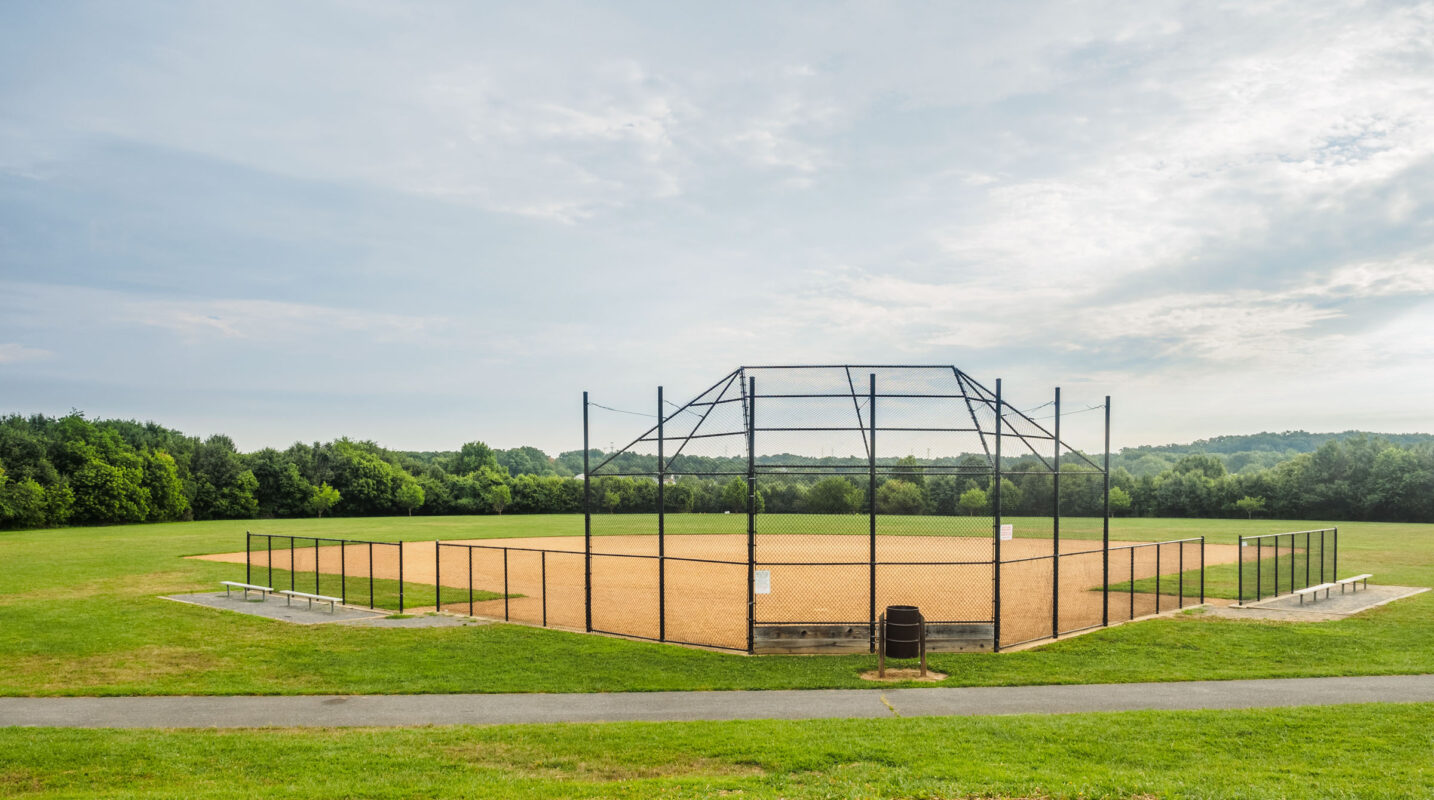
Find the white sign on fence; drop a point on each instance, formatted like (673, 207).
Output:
(762, 581)
(1008, 532)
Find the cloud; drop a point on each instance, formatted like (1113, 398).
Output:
(264, 322)
(11, 353)
(1136, 196)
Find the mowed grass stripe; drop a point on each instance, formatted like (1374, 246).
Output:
(1365, 751)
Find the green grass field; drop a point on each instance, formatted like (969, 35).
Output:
(82, 616)
(1364, 751)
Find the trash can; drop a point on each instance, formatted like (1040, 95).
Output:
(902, 636)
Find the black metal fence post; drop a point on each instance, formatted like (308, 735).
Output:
(871, 509)
(587, 525)
(291, 563)
(505, 584)
(400, 577)
(437, 577)
(1105, 527)
(248, 567)
(1132, 581)
(1157, 579)
(661, 527)
(751, 511)
(470, 581)
(269, 558)
(1202, 570)
(1056, 525)
(370, 575)
(1292, 562)
(543, 556)
(1307, 558)
(1259, 569)
(343, 572)
(1321, 556)
(1240, 554)
(996, 526)
(1180, 583)
(316, 567)
(1334, 568)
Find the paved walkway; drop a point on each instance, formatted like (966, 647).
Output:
(491, 709)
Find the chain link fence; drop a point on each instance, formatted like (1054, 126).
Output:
(1280, 563)
(782, 509)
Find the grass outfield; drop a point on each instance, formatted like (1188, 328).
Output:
(81, 615)
(1363, 751)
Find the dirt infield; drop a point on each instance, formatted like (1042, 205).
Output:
(813, 579)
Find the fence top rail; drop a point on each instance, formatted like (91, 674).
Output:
(322, 539)
(516, 549)
(1287, 533)
(1133, 545)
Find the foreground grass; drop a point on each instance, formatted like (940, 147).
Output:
(82, 615)
(1365, 751)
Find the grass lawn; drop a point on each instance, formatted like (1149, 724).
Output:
(1360, 751)
(80, 614)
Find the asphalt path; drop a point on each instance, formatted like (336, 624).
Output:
(495, 709)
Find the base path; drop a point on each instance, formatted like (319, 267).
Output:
(494, 709)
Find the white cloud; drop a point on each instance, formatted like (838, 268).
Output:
(11, 352)
(55, 308)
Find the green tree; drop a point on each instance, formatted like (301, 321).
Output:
(472, 457)
(1119, 500)
(974, 501)
(323, 499)
(283, 490)
(6, 512)
(105, 493)
(166, 492)
(26, 501)
(942, 495)
(1203, 463)
(899, 497)
(1010, 496)
(834, 495)
(907, 469)
(499, 496)
(734, 496)
(223, 487)
(59, 503)
(410, 496)
(1250, 505)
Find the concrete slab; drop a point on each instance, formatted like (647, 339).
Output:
(299, 612)
(1337, 606)
(274, 607)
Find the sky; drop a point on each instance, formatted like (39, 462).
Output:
(432, 222)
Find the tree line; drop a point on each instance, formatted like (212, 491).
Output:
(71, 470)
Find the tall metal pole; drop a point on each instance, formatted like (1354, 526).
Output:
(248, 567)
(871, 508)
(587, 526)
(1105, 528)
(661, 528)
(1056, 527)
(996, 524)
(751, 511)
